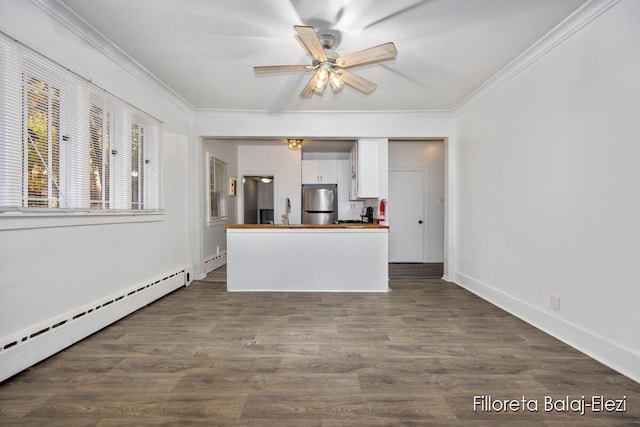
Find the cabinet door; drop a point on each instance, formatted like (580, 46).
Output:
(368, 169)
(319, 171)
(310, 172)
(328, 171)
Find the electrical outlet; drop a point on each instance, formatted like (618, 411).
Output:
(555, 302)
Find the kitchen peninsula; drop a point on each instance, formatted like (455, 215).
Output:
(307, 258)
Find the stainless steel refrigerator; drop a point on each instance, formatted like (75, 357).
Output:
(319, 203)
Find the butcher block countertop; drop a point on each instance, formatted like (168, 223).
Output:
(306, 226)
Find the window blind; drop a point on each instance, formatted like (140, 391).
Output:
(10, 126)
(68, 145)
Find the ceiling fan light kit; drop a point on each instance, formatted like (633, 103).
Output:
(330, 68)
(336, 82)
(322, 76)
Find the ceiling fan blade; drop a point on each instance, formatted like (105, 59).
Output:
(307, 92)
(279, 68)
(379, 53)
(394, 14)
(357, 82)
(311, 41)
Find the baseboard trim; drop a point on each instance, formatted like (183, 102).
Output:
(611, 354)
(435, 257)
(27, 347)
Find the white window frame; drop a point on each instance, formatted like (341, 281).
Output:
(216, 184)
(76, 97)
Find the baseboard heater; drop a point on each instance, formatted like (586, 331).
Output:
(29, 347)
(215, 262)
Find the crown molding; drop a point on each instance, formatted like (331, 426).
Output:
(561, 32)
(328, 113)
(85, 31)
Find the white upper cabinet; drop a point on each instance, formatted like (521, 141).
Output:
(367, 169)
(319, 171)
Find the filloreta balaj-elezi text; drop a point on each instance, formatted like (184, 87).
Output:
(580, 405)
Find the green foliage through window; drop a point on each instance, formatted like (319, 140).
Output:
(67, 145)
(41, 145)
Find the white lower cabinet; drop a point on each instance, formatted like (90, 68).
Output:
(350, 210)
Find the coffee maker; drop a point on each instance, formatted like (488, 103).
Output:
(367, 215)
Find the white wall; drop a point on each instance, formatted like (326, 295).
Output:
(329, 124)
(47, 270)
(547, 178)
(427, 156)
(214, 237)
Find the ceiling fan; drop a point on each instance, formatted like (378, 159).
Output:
(330, 68)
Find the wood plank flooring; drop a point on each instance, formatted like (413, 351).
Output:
(415, 356)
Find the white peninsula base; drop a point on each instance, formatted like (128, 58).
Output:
(307, 259)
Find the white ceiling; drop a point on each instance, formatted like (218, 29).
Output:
(205, 49)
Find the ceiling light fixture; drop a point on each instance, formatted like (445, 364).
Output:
(322, 76)
(328, 67)
(336, 82)
(295, 144)
(266, 179)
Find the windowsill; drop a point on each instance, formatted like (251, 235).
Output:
(30, 220)
(217, 221)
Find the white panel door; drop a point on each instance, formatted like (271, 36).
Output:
(407, 216)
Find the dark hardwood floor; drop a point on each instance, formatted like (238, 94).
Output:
(415, 356)
(415, 271)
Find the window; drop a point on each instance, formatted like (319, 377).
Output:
(217, 170)
(100, 165)
(67, 146)
(137, 166)
(41, 145)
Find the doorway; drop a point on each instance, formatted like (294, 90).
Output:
(258, 199)
(407, 215)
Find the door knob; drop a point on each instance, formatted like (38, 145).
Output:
(420, 222)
